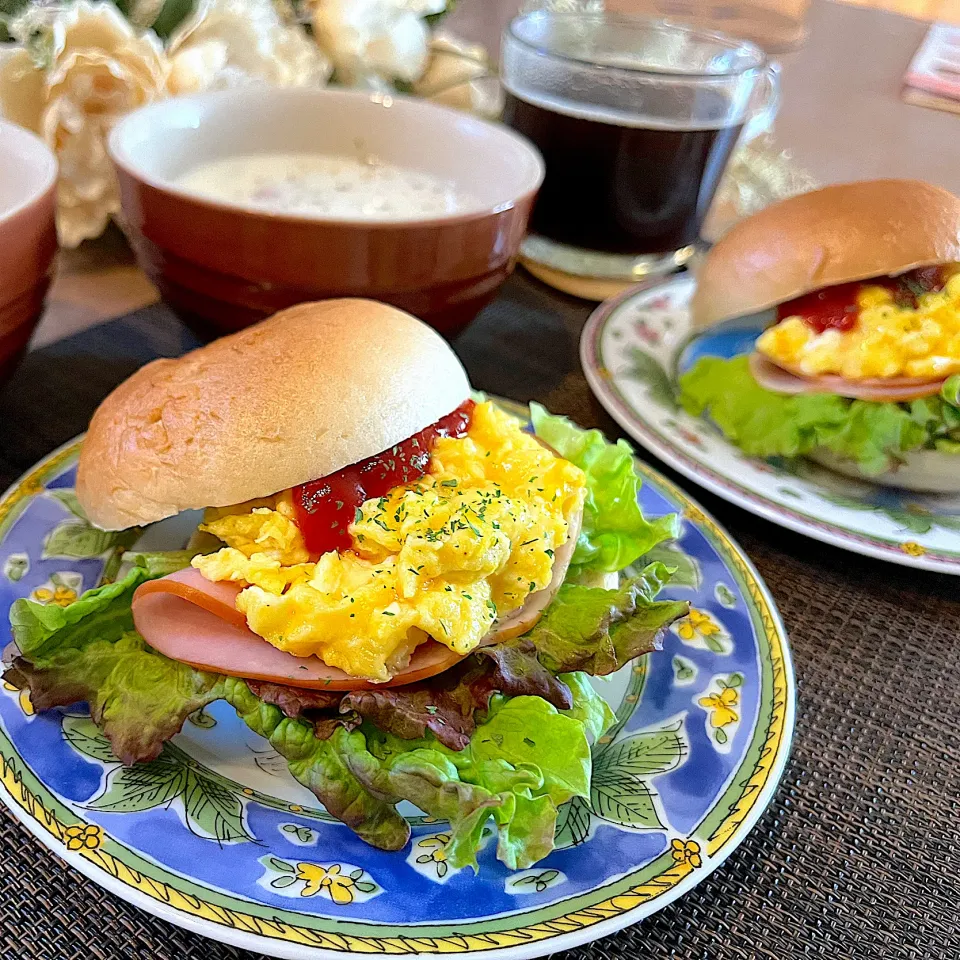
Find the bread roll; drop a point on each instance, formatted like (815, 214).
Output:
(851, 231)
(292, 399)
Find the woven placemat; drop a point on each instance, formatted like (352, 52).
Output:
(857, 857)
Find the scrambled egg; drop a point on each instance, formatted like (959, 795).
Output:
(887, 341)
(442, 557)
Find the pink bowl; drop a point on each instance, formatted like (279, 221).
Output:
(28, 237)
(230, 265)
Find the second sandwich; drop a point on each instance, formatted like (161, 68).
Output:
(859, 368)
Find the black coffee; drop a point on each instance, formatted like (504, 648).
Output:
(622, 189)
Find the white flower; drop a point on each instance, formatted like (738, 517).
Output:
(229, 43)
(89, 68)
(459, 74)
(384, 38)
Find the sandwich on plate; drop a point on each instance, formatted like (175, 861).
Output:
(859, 368)
(402, 587)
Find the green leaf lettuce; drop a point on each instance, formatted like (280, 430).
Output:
(320, 767)
(521, 765)
(598, 631)
(524, 759)
(875, 436)
(41, 631)
(615, 532)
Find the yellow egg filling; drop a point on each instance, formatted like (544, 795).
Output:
(887, 341)
(442, 557)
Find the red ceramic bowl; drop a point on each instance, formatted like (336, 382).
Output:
(28, 237)
(230, 265)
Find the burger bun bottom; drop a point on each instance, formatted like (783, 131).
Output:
(925, 471)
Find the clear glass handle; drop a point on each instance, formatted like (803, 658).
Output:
(765, 103)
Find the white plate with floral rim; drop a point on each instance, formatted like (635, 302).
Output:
(631, 350)
(214, 835)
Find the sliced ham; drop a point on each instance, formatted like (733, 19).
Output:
(206, 635)
(772, 377)
(188, 618)
(524, 618)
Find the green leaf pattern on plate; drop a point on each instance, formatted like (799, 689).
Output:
(687, 569)
(83, 735)
(620, 790)
(299, 834)
(211, 809)
(684, 671)
(76, 538)
(69, 499)
(649, 371)
(573, 823)
(200, 718)
(725, 596)
(622, 799)
(15, 566)
(534, 881)
(644, 754)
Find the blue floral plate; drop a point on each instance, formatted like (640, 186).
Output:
(216, 836)
(632, 349)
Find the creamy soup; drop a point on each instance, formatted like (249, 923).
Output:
(344, 188)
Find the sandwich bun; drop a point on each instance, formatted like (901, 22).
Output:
(923, 471)
(294, 398)
(842, 233)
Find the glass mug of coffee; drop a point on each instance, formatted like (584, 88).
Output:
(636, 120)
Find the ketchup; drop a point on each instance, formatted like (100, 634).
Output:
(832, 308)
(836, 308)
(325, 508)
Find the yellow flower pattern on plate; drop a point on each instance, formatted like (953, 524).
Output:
(341, 883)
(61, 596)
(83, 836)
(698, 623)
(436, 853)
(701, 629)
(686, 851)
(721, 706)
(23, 698)
(912, 549)
(317, 878)
(721, 701)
